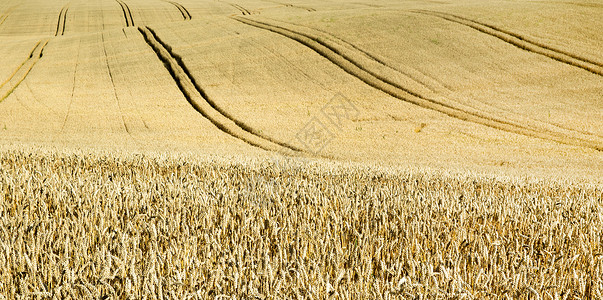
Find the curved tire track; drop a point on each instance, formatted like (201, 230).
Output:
(382, 62)
(185, 13)
(3, 18)
(244, 11)
(522, 42)
(7, 14)
(371, 77)
(309, 9)
(110, 72)
(127, 13)
(419, 77)
(204, 105)
(19, 75)
(62, 21)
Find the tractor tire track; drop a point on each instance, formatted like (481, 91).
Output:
(243, 10)
(7, 14)
(522, 42)
(309, 9)
(123, 119)
(356, 69)
(356, 62)
(3, 18)
(77, 60)
(185, 14)
(19, 75)
(414, 77)
(204, 105)
(127, 13)
(62, 20)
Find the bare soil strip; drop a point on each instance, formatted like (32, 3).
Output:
(522, 42)
(185, 14)
(62, 20)
(127, 13)
(202, 103)
(10, 84)
(339, 57)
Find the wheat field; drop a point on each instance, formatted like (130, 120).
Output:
(301, 149)
(95, 226)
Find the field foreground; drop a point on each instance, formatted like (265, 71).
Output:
(74, 225)
(331, 89)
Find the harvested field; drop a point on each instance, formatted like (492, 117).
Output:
(380, 149)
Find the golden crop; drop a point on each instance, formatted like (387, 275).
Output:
(80, 226)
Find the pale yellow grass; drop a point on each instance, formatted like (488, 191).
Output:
(76, 226)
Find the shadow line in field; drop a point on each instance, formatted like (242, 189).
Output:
(522, 42)
(197, 97)
(348, 60)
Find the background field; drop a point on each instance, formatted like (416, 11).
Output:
(378, 148)
(510, 86)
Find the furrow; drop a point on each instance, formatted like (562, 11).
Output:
(202, 103)
(372, 79)
(22, 71)
(522, 42)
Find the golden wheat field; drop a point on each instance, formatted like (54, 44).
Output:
(301, 149)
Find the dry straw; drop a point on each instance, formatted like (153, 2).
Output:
(76, 226)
